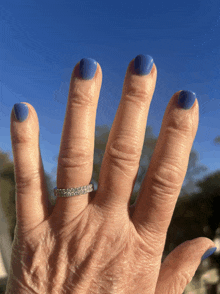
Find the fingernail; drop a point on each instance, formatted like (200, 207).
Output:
(88, 68)
(186, 99)
(209, 252)
(20, 111)
(143, 64)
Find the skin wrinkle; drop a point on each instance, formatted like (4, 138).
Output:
(180, 279)
(165, 179)
(35, 271)
(90, 250)
(32, 272)
(127, 166)
(81, 97)
(113, 260)
(59, 274)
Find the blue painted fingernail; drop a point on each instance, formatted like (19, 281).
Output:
(209, 252)
(88, 68)
(186, 99)
(143, 64)
(20, 111)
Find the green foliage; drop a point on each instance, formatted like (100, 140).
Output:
(197, 214)
(7, 191)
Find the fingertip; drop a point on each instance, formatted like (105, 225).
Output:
(23, 129)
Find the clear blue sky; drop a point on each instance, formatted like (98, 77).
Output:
(42, 40)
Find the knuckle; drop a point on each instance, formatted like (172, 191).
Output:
(136, 94)
(22, 137)
(183, 124)
(26, 179)
(167, 178)
(74, 157)
(81, 96)
(122, 151)
(124, 155)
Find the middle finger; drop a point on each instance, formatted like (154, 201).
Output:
(123, 150)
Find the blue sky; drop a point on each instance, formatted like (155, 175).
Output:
(42, 40)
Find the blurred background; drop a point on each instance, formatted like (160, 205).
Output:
(40, 44)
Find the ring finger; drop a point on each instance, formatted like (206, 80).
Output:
(75, 161)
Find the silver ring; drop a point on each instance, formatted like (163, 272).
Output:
(73, 191)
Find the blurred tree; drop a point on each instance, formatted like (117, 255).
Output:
(102, 133)
(7, 182)
(194, 170)
(217, 140)
(209, 199)
(196, 215)
(7, 197)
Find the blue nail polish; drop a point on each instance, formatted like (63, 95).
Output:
(186, 99)
(88, 68)
(209, 252)
(20, 111)
(143, 64)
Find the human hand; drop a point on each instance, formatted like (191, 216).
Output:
(98, 243)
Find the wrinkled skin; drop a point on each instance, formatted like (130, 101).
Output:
(92, 254)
